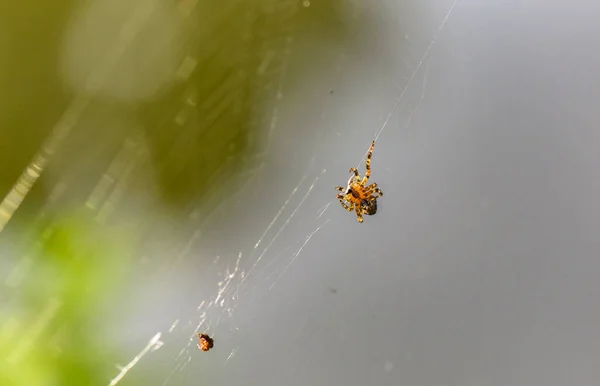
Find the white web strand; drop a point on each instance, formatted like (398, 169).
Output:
(287, 221)
(260, 239)
(149, 347)
(412, 77)
(295, 255)
(323, 209)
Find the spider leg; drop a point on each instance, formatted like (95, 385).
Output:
(340, 195)
(368, 164)
(359, 212)
(373, 194)
(373, 189)
(355, 171)
(349, 208)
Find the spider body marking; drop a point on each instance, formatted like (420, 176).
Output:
(357, 195)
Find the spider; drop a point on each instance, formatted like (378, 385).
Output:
(206, 342)
(357, 195)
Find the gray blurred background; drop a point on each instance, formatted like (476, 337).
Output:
(169, 169)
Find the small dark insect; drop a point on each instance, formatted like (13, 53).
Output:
(357, 195)
(206, 342)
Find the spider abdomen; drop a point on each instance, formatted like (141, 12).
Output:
(370, 206)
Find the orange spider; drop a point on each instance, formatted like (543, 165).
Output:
(206, 342)
(357, 195)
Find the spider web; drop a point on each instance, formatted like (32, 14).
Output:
(227, 279)
(251, 274)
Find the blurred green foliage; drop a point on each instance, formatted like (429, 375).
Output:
(52, 332)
